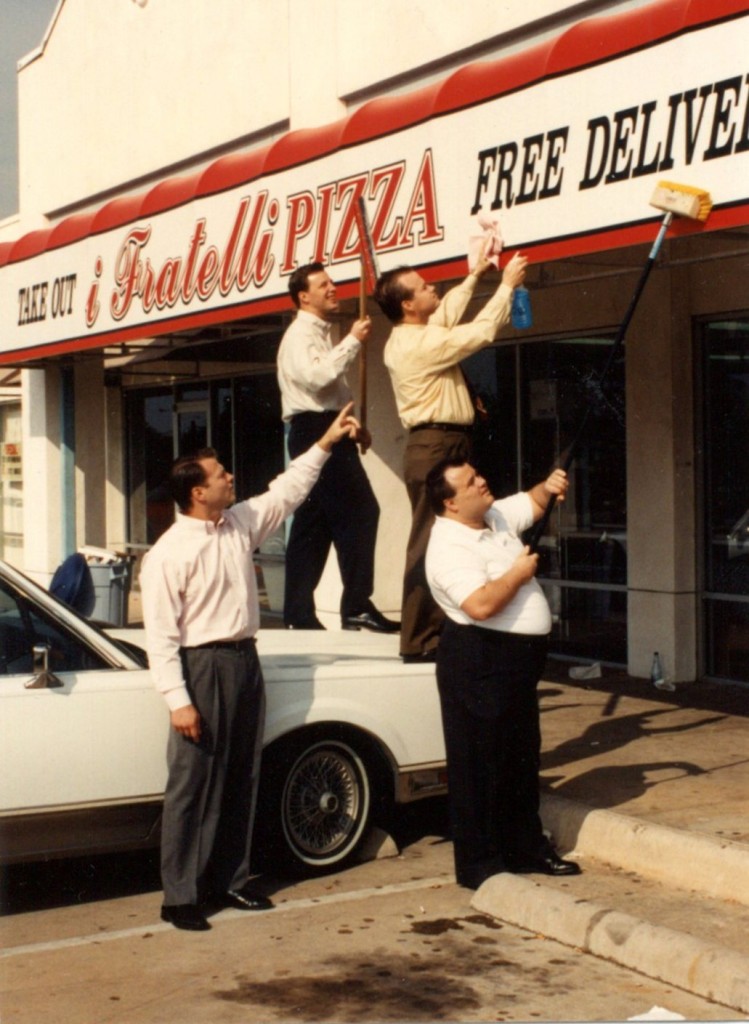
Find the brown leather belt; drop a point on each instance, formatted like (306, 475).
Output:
(461, 428)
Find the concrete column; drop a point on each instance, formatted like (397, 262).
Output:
(90, 454)
(660, 481)
(115, 482)
(40, 412)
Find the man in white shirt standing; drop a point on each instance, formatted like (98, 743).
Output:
(341, 509)
(490, 658)
(201, 614)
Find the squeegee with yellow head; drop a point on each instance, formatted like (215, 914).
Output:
(675, 201)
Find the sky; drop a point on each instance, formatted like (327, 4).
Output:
(22, 27)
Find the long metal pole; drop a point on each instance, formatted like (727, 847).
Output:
(540, 527)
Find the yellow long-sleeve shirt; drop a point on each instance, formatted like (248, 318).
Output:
(423, 359)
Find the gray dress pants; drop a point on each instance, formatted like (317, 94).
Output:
(211, 792)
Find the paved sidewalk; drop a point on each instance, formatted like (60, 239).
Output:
(650, 790)
(679, 759)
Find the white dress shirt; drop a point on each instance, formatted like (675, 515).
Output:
(312, 366)
(460, 560)
(198, 580)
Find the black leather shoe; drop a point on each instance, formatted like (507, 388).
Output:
(246, 898)
(312, 624)
(425, 658)
(187, 916)
(370, 619)
(550, 863)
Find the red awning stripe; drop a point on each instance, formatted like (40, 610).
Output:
(169, 193)
(232, 170)
(586, 43)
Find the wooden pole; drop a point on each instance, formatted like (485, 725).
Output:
(363, 350)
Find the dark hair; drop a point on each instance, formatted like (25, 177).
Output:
(186, 473)
(390, 294)
(299, 280)
(437, 488)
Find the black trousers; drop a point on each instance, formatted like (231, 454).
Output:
(341, 510)
(487, 685)
(211, 791)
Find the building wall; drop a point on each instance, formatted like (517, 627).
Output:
(120, 93)
(389, 43)
(145, 88)
(151, 90)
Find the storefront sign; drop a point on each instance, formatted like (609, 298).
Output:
(568, 162)
(11, 467)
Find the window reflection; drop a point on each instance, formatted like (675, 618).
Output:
(726, 499)
(537, 394)
(241, 419)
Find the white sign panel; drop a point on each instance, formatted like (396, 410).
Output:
(568, 165)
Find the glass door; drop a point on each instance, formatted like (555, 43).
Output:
(241, 419)
(725, 596)
(191, 426)
(536, 394)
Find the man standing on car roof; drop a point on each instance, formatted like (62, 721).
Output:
(201, 614)
(341, 508)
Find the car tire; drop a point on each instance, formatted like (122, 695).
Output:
(317, 793)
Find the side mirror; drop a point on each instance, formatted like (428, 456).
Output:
(42, 678)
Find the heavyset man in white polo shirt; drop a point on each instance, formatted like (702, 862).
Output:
(490, 658)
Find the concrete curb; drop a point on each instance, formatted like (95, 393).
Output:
(705, 969)
(691, 860)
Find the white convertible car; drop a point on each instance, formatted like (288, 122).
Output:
(349, 731)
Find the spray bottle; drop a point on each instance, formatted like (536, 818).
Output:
(522, 316)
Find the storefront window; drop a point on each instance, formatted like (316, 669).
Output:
(151, 451)
(11, 484)
(259, 458)
(259, 432)
(726, 499)
(545, 387)
(241, 419)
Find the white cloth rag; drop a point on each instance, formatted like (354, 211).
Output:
(483, 227)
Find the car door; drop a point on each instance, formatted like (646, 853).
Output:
(84, 751)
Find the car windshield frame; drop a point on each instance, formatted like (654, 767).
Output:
(91, 633)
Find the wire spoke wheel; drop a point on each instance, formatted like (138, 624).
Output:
(325, 803)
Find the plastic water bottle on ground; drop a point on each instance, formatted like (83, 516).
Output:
(657, 676)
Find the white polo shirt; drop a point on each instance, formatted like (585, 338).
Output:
(460, 560)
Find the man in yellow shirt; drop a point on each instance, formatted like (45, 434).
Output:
(434, 403)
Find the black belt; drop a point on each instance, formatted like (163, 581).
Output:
(461, 428)
(225, 645)
(324, 416)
